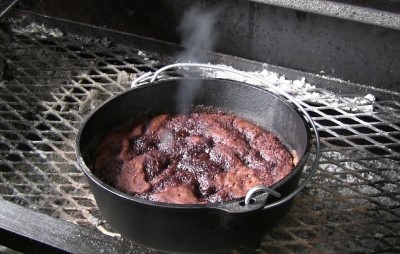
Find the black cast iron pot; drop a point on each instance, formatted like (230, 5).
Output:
(194, 228)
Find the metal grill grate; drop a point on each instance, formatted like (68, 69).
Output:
(53, 80)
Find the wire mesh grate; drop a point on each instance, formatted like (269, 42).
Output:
(52, 80)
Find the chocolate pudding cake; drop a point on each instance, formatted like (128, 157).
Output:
(191, 159)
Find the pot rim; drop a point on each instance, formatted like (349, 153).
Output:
(87, 171)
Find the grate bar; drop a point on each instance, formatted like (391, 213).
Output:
(53, 80)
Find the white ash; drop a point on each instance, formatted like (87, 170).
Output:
(363, 172)
(294, 87)
(339, 173)
(142, 54)
(91, 102)
(329, 77)
(34, 28)
(123, 79)
(300, 89)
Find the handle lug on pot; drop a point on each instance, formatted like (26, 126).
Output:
(248, 199)
(251, 203)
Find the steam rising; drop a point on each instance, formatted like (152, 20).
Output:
(197, 30)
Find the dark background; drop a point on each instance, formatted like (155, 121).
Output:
(359, 52)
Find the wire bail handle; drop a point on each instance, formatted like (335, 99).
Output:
(259, 188)
(151, 77)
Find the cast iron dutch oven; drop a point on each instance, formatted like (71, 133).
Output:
(194, 228)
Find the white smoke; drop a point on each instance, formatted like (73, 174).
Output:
(198, 33)
(197, 30)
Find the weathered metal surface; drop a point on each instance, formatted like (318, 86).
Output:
(55, 79)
